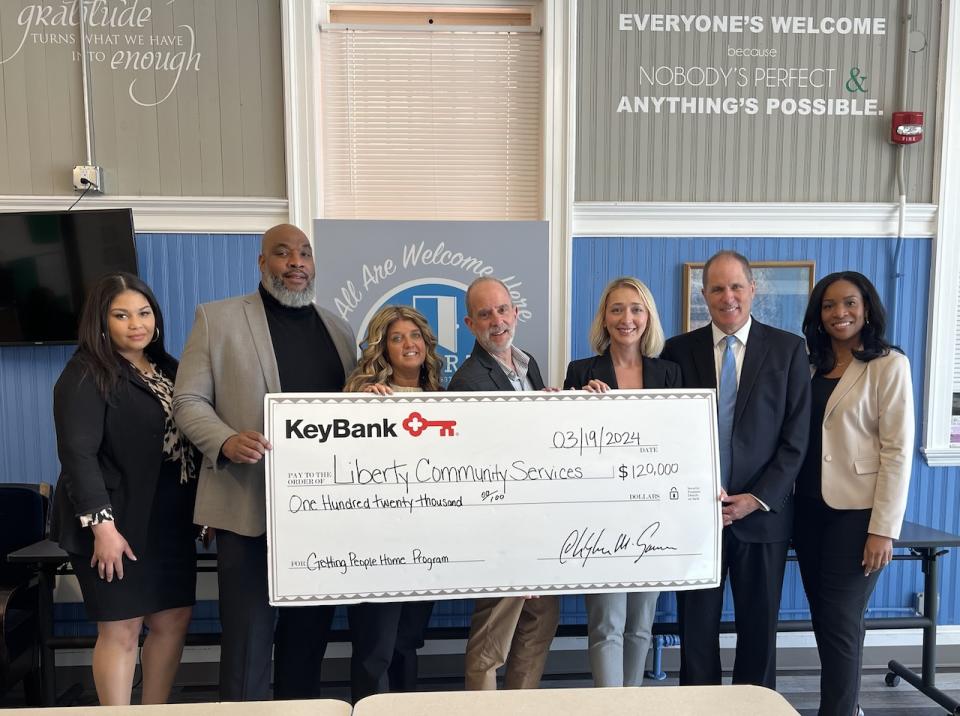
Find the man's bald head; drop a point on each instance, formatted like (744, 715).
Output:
(279, 234)
(286, 265)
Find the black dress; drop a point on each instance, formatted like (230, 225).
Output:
(158, 525)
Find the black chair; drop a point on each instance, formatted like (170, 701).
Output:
(23, 521)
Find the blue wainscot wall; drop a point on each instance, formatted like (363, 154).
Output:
(187, 269)
(658, 262)
(183, 270)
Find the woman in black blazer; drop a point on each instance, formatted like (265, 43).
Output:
(626, 334)
(123, 508)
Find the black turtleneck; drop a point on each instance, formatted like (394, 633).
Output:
(307, 359)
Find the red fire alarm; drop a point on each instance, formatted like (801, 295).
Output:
(907, 127)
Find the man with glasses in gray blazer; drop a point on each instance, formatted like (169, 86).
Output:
(270, 341)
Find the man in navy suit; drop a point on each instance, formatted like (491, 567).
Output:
(768, 421)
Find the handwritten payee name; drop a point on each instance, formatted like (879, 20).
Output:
(424, 471)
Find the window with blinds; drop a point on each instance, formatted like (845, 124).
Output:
(955, 412)
(439, 123)
(956, 351)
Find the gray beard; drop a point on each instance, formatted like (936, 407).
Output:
(292, 299)
(490, 348)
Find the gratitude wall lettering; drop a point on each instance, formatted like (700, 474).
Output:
(119, 34)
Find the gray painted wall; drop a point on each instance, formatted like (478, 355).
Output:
(208, 122)
(623, 156)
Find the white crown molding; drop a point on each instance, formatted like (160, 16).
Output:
(749, 219)
(941, 457)
(173, 214)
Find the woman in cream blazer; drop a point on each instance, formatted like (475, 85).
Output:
(852, 489)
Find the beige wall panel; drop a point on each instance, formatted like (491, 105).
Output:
(66, 136)
(271, 95)
(231, 131)
(765, 157)
(168, 117)
(116, 145)
(38, 110)
(7, 38)
(148, 132)
(18, 130)
(251, 102)
(188, 119)
(208, 102)
(5, 178)
(185, 102)
(6, 174)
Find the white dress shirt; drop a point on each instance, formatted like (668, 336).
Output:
(739, 348)
(739, 351)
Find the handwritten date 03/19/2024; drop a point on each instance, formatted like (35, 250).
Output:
(600, 439)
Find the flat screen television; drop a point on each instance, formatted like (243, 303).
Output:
(48, 262)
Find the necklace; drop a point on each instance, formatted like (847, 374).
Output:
(149, 371)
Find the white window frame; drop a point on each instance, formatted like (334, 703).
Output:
(304, 160)
(942, 338)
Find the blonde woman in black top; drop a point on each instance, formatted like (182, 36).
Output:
(626, 336)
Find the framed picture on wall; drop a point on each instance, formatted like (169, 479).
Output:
(783, 288)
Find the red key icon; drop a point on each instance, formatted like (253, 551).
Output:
(415, 424)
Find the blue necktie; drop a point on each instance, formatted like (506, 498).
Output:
(726, 403)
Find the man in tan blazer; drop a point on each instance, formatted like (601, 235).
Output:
(273, 340)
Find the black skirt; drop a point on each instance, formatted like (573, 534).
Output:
(164, 575)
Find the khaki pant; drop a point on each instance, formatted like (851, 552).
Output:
(512, 631)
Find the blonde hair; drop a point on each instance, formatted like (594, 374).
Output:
(374, 365)
(651, 342)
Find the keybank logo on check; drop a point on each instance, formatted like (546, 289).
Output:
(415, 424)
(340, 428)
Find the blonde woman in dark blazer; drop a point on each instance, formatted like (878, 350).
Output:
(626, 335)
(852, 490)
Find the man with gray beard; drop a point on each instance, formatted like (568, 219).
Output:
(512, 631)
(271, 341)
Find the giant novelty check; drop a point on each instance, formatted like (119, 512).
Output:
(439, 496)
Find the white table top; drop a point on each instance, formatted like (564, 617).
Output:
(316, 707)
(667, 700)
